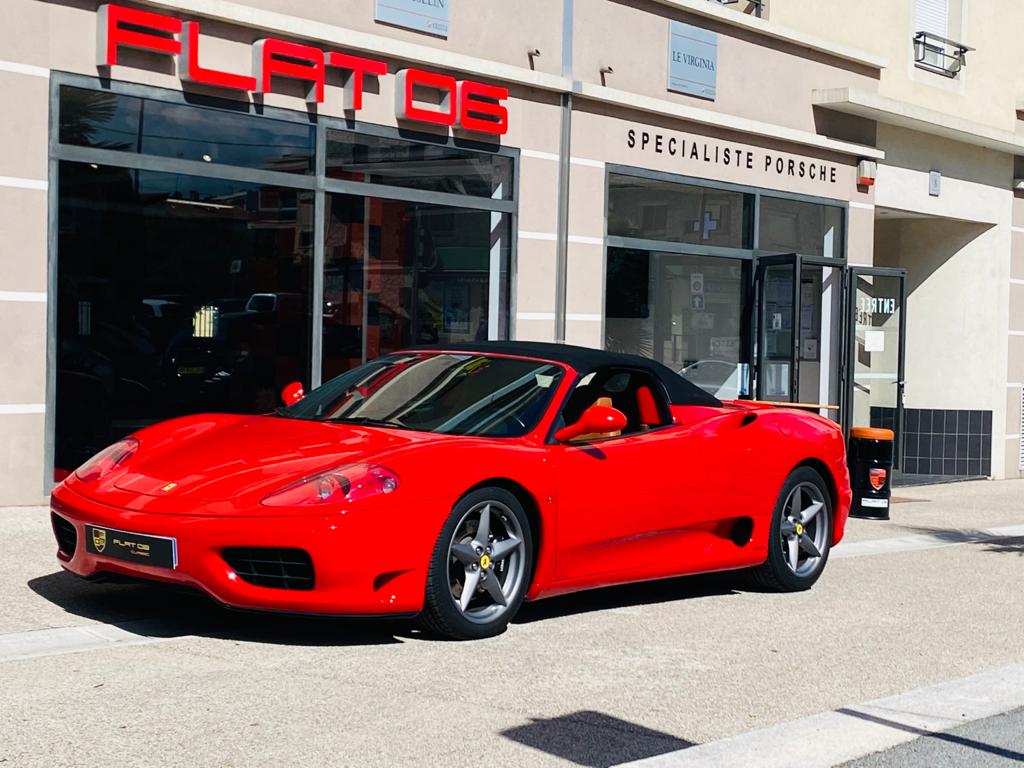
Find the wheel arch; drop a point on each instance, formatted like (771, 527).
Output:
(530, 506)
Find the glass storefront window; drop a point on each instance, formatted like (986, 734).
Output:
(794, 226)
(418, 165)
(685, 311)
(398, 273)
(176, 294)
(105, 120)
(650, 209)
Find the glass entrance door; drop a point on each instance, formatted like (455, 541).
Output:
(799, 338)
(877, 341)
(778, 306)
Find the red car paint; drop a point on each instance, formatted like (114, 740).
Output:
(642, 506)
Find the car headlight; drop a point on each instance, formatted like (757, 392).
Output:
(107, 460)
(347, 483)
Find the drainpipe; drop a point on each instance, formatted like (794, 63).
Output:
(564, 153)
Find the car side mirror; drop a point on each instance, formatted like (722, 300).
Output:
(292, 393)
(596, 419)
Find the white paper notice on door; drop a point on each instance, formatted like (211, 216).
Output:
(874, 341)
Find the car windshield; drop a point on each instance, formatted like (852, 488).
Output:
(260, 302)
(448, 393)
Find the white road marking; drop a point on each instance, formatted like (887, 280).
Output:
(831, 738)
(87, 637)
(945, 538)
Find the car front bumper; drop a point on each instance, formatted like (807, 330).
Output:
(357, 569)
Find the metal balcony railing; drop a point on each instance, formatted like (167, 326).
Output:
(757, 4)
(937, 54)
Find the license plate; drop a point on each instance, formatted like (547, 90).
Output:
(156, 551)
(191, 370)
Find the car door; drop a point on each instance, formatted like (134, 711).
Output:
(620, 497)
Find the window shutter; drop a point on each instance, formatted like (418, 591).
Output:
(932, 16)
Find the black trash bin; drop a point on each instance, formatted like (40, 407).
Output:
(870, 461)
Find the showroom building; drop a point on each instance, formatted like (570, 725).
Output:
(205, 200)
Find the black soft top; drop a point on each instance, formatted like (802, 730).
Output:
(584, 360)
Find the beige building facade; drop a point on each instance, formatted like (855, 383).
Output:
(207, 199)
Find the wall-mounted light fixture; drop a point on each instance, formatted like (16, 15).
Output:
(605, 71)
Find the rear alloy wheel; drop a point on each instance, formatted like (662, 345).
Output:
(480, 567)
(800, 535)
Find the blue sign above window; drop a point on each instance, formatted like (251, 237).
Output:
(692, 60)
(430, 16)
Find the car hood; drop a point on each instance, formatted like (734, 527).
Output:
(223, 458)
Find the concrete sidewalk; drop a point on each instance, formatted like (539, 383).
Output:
(594, 679)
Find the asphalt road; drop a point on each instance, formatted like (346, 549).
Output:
(995, 742)
(590, 680)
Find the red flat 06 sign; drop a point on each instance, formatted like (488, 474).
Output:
(463, 104)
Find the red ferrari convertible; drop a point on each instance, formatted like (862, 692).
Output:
(455, 482)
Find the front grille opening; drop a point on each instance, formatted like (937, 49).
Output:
(274, 567)
(66, 535)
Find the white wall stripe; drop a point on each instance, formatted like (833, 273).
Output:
(584, 239)
(865, 206)
(583, 316)
(1017, 333)
(35, 296)
(537, 154)
(24, 69)
(524, 235)
(555, 157)
(1017, 229)
(20, 183)
(14, 409)
(1014, 384)
(1017, 280)
(1013, 437)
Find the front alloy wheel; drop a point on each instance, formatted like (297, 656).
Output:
(480, 567)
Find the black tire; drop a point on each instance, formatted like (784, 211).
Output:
(441, 615)
(776, 575)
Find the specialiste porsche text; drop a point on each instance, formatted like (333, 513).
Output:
(738, 157)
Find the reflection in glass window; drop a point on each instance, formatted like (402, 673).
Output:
(107, 120)
(176, 294)
(793, 226)
(659, 210)
(418, 165)
(452, 394)
(398, 273)
(684, 311)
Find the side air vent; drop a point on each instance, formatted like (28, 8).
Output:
(274, 567)
(66, 535)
